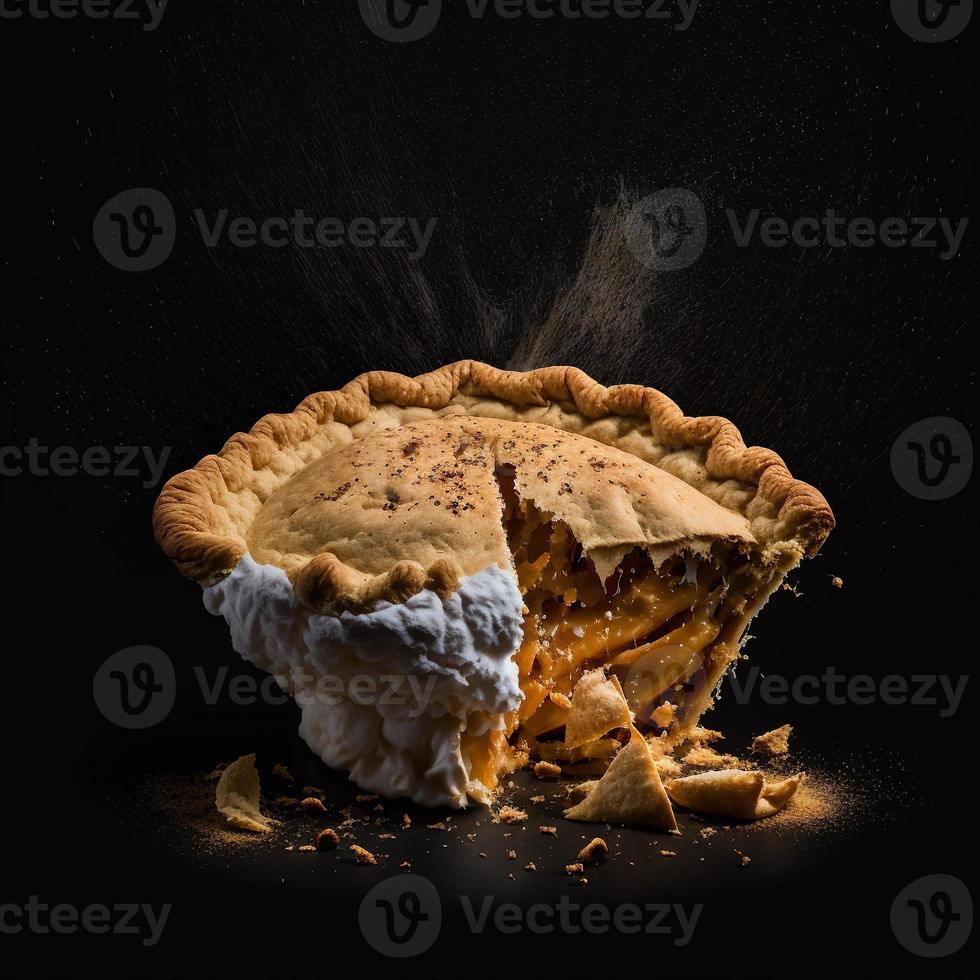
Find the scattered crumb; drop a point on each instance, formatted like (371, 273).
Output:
(743, 859)
(312, 805)
(773, 743)
(701, 735)
(594, 852)
(668, 854)
(436, 826)
(707, 832)
(512, 855)
(664, 715)
(582, 881)
(509, 814)
(530, 866)
(387, 837)
(483, 854)
(837, 582)
(552, 831)
(362, 855)
(281, 772)
(406, 821)
(405, 864)
(547, 770)
(366, 797)
(327, 840)
(707, 758)
(306, 847)
(574, 869)
(537, 799)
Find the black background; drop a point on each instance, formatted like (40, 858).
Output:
(510, 133)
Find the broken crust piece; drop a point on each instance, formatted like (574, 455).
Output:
(472, 519)
(705, 758)
(733, 793)
(598, 706)
(237, 796)
(773, 743)
(630, 792)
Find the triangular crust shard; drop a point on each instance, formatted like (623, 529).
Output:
(598, 706)
(630, 792)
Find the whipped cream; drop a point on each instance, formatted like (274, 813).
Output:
(386, 694)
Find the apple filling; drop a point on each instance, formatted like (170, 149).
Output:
(668, 633)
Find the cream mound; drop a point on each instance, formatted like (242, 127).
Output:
(387, 694)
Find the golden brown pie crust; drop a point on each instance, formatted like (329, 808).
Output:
(204, 515)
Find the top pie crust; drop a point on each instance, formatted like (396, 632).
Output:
(341, 493)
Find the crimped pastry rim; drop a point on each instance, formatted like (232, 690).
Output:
(194, 531)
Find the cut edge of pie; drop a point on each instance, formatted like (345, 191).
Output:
(661, 601)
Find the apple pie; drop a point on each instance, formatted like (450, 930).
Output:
(431, 565)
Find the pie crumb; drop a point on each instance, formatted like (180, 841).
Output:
(552, 831)
(594, 852)
(327, 840)
(773, 743)
(547, 770)
(362, 855)
(510, 814)
(837, 582)
(282, 772)
(512, 855)
(530, 866)
(306, 847)
(313, 805)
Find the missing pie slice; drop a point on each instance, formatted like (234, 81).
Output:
(430, 565)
